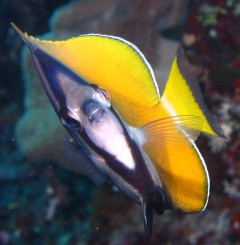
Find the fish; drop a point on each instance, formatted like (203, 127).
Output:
(123, 130)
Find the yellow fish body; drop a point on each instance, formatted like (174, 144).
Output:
(164, 127)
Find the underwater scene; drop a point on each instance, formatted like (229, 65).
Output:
(110, 136)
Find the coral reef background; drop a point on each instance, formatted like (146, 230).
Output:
(43, 198)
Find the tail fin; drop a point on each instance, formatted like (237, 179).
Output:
(182, 95)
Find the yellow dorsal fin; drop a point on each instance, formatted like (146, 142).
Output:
(182, 95)
(169, 144)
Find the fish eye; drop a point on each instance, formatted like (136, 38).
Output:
(93, 110)
(69, 121)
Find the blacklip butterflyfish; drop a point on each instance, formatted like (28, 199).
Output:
(104, 92)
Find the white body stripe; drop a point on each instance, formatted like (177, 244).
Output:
(111, 138)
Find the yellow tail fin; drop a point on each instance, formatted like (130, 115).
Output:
(182, 95)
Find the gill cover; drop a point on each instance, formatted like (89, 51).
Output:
(117, 66)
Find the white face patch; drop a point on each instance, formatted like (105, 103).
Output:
(75, 92)
(106, 132)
